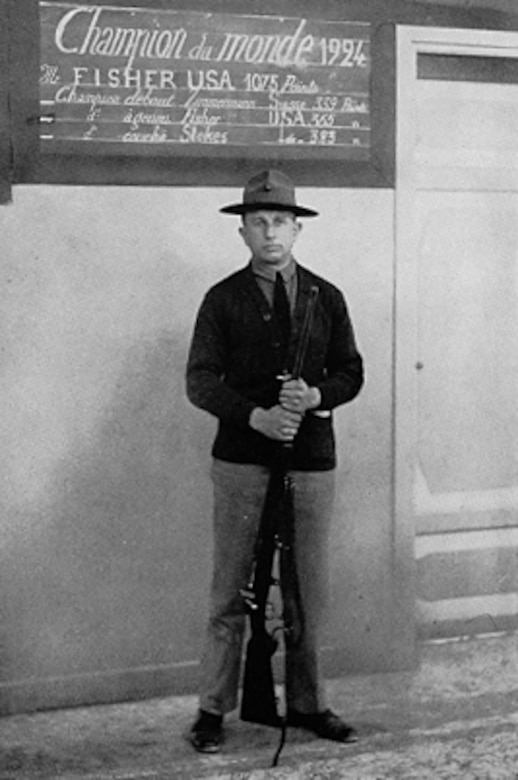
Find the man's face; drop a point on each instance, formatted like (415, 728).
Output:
(270, 235)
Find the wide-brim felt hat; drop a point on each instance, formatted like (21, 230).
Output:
(271, 190)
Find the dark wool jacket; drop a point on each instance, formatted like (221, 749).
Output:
(236, 355)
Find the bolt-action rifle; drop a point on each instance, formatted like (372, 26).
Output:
(276, 534)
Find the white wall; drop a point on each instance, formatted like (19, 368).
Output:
(105, 500)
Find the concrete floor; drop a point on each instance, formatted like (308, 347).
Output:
(454, 717)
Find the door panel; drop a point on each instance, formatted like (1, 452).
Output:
(467, 341)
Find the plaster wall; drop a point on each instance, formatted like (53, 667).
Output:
(105, 495)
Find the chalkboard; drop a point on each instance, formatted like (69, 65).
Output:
(133, 80)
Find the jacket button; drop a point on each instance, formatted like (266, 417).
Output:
(267, 317)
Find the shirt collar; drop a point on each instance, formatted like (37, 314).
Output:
(267, 272)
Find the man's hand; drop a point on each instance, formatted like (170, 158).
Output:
(276, 423)
(297, 396)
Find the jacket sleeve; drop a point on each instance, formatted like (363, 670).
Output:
(206, 366)
(344, 373)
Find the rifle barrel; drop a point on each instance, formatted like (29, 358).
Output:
(302, 346)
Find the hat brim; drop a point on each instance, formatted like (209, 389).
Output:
(245, 208)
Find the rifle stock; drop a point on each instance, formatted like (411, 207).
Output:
(259, 703)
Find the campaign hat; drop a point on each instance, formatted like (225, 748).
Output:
(271, 190)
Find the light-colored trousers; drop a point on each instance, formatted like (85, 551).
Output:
(239, 492)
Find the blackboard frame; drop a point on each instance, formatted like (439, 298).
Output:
(5, 135)
(31, 166)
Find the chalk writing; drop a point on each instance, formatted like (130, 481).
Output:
(163, 78)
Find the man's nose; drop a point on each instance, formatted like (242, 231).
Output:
(269, 230)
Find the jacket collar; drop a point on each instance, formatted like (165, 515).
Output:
(267, 272)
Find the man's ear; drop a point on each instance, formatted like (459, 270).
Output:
(242, 233)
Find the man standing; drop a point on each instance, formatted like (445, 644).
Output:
(244, 340)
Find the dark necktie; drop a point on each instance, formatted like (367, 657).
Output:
(281, 308)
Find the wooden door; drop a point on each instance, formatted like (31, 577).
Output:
(456, 343)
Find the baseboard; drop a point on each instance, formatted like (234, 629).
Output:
(86, 689)
(181, 679)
